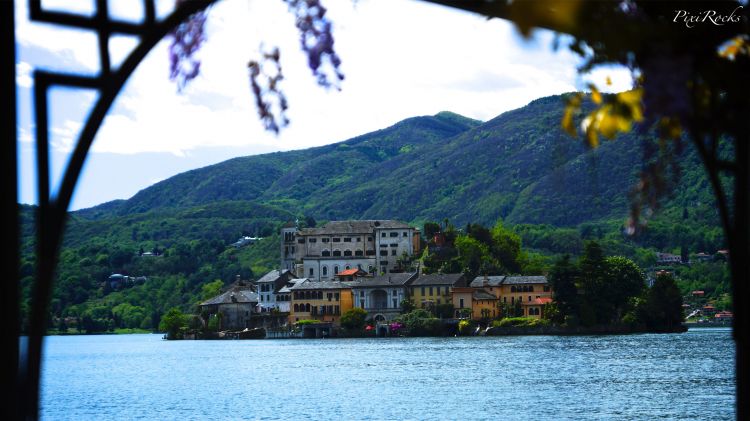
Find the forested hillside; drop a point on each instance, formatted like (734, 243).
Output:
(519, 167)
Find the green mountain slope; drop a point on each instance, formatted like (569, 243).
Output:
(519, 166)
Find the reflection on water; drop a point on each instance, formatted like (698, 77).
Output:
(675, 376)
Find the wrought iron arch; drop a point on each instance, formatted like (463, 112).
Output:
(21, 373)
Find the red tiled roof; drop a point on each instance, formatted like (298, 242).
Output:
(539, 301)
(348, 272)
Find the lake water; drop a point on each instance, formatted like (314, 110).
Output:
(675, 376)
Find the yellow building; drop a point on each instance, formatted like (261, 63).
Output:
(322, 300)
(510, 290)
(428, 291)
(482, 304)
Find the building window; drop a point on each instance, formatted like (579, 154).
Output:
(330, 296)
(370, 252)
(394, 244)
(296, 307)
(325, 270)
(531, 288)
(431, 291)
(326, 253)
(505, 300)
(336, 296)
(325, 240)
(359, 239)
(406, 234)
(395, 302)
(336, 239)
(384, 252)
(337, 252)
(394, 234)
(347, 252)
(369, 239)
(460, 303)
(393, 252)
(512, 288)
(347, 239)
(312, 240)
(336, 309)
(358, 253)
(369, 268)
(382, 234)
(348, 267)
(422, 290)
(512, 300)
(336, 269)
(307, 307)
(312, 272)
(301, 241)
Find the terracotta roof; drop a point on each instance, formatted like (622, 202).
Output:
(233, 295)
(543, 300)
(349, 272)
(393, 279)
(453, 279)
(354, 227)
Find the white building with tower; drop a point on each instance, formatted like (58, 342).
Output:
(375, 246)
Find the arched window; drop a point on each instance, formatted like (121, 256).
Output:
(296, 307)
(347, 252)
(336, 269)
(326, 253)
(325, 270)
(358, 253)
(348, 267)
(337, 252)
(307, 307)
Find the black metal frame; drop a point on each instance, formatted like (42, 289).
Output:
(22, 371)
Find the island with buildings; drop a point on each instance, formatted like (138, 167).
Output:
(358, 267)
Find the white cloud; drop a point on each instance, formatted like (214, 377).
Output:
(621, 79)
(396, 65)
(63, 137)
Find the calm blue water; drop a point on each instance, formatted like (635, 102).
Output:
(681, 376)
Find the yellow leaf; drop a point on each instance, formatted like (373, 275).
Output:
(591, 137)
(595, 95)
(567, 122)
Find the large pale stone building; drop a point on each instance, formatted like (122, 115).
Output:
(320, 253)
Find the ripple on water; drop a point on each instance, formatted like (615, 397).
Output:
(680, 376)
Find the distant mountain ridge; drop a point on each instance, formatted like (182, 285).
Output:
(519, 166)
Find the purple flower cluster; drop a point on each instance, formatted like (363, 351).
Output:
(316, 40)
(186, 41)
(265, 78)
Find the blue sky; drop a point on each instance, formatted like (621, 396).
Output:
(401, 58)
